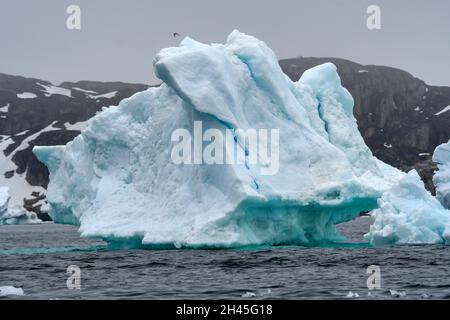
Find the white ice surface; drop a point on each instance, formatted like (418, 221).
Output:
(26, 95)
(84, 90)
(409, 214)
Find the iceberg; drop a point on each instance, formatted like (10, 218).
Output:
(14, 214)
(117, 180)
(409, 214)
(11, 291)
(442, 177)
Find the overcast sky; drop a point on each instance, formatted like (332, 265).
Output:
(119, 38)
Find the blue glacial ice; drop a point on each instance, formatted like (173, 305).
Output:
(409, 214)
(116, 179)
(442, 177)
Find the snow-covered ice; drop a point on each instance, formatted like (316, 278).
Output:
(84, 90)
(5, 108)
(442, 177)
(26, 142)
(409, 214)
(79, 126)
(447, 108)
(50, 90)
(21, 133)
(108, 95)
(26, 95)
(117, 181)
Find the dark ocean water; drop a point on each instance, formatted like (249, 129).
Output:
(36, 258)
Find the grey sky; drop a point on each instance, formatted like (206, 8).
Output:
(118, 39)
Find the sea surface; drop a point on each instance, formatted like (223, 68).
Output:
(36, 257)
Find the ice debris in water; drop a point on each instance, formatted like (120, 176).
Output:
(351, 294)
(266, 292)
(261, 293)
(248, 295)
(11, 291)
(397, 294)
(117, 181)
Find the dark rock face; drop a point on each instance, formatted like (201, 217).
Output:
(33, 205)
(9, 174)
(398, 114)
